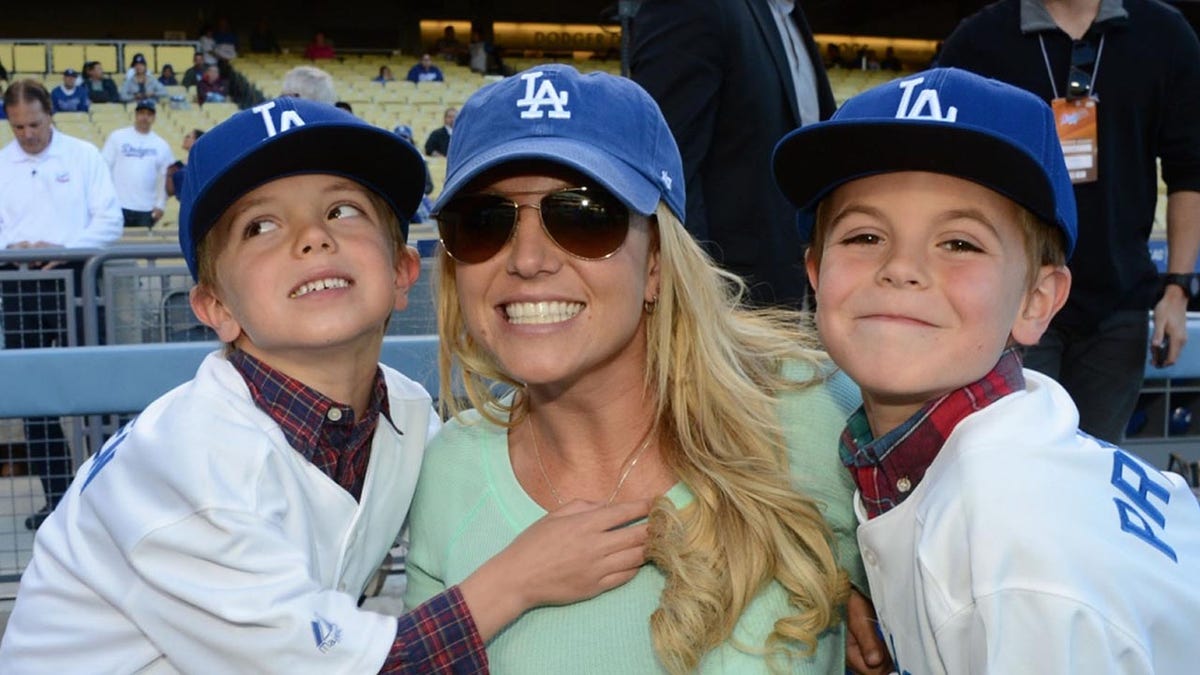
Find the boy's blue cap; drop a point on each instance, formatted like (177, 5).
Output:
(286, 137)
(603, 126)
(944, 120)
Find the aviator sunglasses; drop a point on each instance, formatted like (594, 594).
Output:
(586, 222)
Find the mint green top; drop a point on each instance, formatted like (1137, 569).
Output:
(469, 506)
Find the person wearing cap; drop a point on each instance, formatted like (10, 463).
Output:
(633, 372)
(1124, 77)
(67, 97)
(138, 159)
(422, 214)
(141, 85)
(997, 536)
(232, 526)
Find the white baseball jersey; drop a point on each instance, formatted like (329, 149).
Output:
(1032, 548)
(139, 168)
(199, 541)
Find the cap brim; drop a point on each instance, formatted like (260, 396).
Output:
(615, 175)
(809, 163)
(373, 157)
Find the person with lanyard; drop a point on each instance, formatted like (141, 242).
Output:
(1123, 77)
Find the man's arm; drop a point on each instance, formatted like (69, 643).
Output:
(678, 56)
(1183, 246)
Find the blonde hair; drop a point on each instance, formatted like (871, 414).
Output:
(722, 437)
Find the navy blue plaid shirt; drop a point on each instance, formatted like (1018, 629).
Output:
(439, 636)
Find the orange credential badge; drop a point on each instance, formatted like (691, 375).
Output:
(1075, 120)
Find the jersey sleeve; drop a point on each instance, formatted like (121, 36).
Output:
(1019, 631)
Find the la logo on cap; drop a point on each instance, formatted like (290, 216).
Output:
(927, 106)
(287, 119)
(546, 95)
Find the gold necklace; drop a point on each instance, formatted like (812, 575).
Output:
(635, 455)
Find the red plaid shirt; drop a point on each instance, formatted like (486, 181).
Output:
(887, 469)
(439, 636)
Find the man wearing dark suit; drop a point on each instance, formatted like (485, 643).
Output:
(727, 82)
(438, 143)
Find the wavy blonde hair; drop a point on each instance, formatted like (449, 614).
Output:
(721, 436)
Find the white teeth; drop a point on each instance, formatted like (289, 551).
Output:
(541, 312)
(320, 285)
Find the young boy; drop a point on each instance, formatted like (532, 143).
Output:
(997, 537)
(232, 526)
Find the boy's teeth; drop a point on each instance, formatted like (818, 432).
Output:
(320, 285)
(541, 312)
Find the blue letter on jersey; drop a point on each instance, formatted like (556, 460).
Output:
(106, 453)
(1141, 508)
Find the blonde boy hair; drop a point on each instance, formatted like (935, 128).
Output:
(722, 437)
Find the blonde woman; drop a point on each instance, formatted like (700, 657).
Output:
(631, 373)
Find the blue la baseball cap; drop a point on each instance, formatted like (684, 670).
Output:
(286, 137)
(603, 126)
(944, 120)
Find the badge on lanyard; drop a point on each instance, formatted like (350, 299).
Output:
(1075, 120)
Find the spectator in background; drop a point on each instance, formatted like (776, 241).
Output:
(422, 214)
(262, 38)
(138, 159)
(174, 182)
(167, 76)
(890, 62)
(438, 143)
(68, 97)
(193, 75)
(207, 44)
(729, 92)
(425, 71)
(224, 34)
(3, 73)
(309, 82)
(448, 47)
(319, 48)
(142, 85)
(213, 88)
(55, 192)
(100, 89)
(385, 75)
(1142, 100)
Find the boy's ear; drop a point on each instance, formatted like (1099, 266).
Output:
(408, 270)
(214, 314)
(1042, 302)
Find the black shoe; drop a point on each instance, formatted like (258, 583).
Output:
(35, 521)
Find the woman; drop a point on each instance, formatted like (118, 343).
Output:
(385, 75)
(167, 76)
(567, 275)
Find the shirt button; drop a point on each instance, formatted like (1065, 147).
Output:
(904, 485)
(334, 414)
(869, 557)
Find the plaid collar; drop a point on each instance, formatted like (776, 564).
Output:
(323, 431)
(887, 469)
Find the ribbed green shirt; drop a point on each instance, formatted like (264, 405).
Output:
(469, 506)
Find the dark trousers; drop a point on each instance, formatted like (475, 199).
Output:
(34, 314)
(138, 218)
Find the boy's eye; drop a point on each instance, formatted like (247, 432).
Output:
(864, 238)
(257, 227)
(344, 211)
(961, 246)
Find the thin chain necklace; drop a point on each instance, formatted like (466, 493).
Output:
(635, 455)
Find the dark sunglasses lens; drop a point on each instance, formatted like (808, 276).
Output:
(588, 223)
(474, 228)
